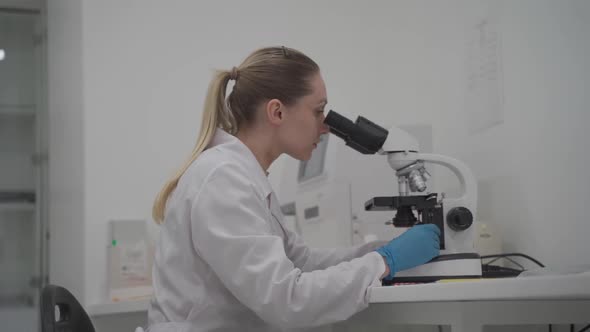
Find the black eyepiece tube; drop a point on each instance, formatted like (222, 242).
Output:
(362, 135)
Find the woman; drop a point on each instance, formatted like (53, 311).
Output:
(224, 260)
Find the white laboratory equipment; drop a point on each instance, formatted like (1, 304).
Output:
(414, 205)
(131, 254)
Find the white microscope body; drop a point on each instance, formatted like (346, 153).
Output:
(454, 216)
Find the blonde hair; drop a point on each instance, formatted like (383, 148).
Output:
(268, 73)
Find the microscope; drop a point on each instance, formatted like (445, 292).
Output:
(454, 216)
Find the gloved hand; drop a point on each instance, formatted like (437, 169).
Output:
(414, 247)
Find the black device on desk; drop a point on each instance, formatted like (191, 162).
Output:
(489, 270)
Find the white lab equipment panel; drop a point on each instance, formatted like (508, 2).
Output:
(323, 214)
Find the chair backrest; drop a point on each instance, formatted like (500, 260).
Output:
(61, 312)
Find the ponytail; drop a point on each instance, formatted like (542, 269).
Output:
(215, 115)
(271, 72)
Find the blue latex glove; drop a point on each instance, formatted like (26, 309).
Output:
(414, 247)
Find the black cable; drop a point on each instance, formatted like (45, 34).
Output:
(572, 328)
(507, 258)
(585, 328)
(493, 260)
(514, 254)
(550, 328)
(515, 262)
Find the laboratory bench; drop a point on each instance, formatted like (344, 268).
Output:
(469, 305)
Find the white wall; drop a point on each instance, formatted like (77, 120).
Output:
(532, 168)
(133, 102)
(529, 167)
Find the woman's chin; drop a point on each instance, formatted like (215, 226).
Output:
(303, 156)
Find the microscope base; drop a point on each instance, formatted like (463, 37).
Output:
(451, 266)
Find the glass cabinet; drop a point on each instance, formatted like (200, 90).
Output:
(23, 168)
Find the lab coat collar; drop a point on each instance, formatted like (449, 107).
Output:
(246, 157)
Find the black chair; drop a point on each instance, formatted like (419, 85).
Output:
(61, 312)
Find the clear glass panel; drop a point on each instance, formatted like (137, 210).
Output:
(21, 168)
(17, 70)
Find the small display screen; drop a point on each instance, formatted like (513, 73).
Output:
(311, 212)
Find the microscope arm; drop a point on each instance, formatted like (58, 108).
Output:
(466, 178)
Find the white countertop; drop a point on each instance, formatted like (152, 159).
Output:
(114, 308)
(569, 286)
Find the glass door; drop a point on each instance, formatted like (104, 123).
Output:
(22, 168)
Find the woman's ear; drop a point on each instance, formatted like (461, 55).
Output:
(275, 111)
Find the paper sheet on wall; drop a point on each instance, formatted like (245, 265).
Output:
(484, 99)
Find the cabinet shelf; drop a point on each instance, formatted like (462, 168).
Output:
(17, 110)
(17, 207)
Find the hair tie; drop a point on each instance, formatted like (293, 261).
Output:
(234, 74)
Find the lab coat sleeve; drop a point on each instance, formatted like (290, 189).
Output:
(310, 259)
(231, 232)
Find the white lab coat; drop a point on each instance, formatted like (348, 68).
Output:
(226, 262)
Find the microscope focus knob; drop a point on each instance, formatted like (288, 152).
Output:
(459, 218)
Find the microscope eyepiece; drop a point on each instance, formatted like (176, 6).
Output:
(362, 135)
